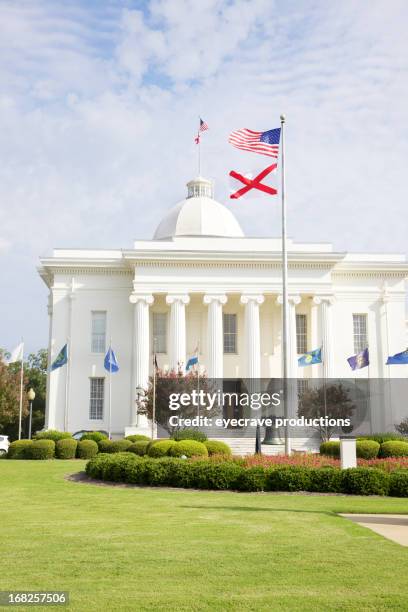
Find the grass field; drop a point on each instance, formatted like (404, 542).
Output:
(146, 549)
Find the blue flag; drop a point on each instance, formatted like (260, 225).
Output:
(398, 358)
(361, 360)
(61, 359)
(110, 363)
(192, 361)
(311, 357)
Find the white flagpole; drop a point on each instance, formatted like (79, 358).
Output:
(198, 380)
(20, 418)
(67, 376)
(154, 386)
(110, 388)
(285, 331)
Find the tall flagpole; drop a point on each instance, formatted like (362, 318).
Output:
(154, 386)
(285, 331)
(67, 376)
(110, 388)
(20, 418)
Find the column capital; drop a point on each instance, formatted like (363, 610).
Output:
(183, 298)
(257, 298)
(134, 298)
(219, 297)
(320, 299)
(295, 300)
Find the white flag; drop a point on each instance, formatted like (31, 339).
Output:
(17, 354)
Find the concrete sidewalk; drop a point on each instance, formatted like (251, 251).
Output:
(391, 526)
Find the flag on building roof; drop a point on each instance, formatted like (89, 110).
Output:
(311, 357)
(203, 126)
(110, 362)
(17, 354)
(398, 358)
(361, 360)
(265, 143)
(61, 359)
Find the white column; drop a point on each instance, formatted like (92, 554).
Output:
(141, 346)
(215, 337)
(326, 303)
(178, 331)
(252, 334)
(293, 301)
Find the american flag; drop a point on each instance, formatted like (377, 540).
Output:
(203, 126)
(265, 143)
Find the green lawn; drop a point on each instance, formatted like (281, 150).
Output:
(151, 549)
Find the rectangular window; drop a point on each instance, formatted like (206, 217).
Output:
(230, 333)
(98, 342)
(96, 400)
(160, 332)
(301, 333)
(360, 332)
(302, 386)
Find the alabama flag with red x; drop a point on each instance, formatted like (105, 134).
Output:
(254, 183)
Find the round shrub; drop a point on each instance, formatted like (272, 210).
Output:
(87, 449)
(330, 449)
(394, 448)
(383, 437)
(40, 449)
(52, 434)
(189, 448)
(325, 480)
(119, 446)
(66, 448)
(161, 448)
(17, 449)
(137, 438)
(367, 449)
(216, 447)
(399, 483)
(365, 481)
(96, 436)
(138, 448)
(189, 434)
(104, 446)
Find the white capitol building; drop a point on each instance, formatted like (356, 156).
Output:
(200, 281)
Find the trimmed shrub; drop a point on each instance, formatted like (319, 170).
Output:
(119, 446)
(96, 436)
(383, 437)
(189, 434)
(325, 480)
(139, 447)
(252, 479)
(137, 438)
(208, 475)
(365, 481)
(52, 434)
(66, 448)
(399, 483)
(291, 478)
(17, 449)
(367, 449)
(330, 449)
(104, 446)
(216, 447)
(189, 448)
(394, 448)
(161, 448)
(40, 449)
(87, 449)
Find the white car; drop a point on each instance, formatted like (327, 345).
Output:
(4, 445)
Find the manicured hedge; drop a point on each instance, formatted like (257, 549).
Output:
(161, 448)
(137, 438)
(17, 449)
(40, 449)
(204, 474)
(52, 434)
(96, 436)
(394, 448)
(365, 449)
(139, 447)
(66, 448)
(87, 449)
(216, 447)
(189, 434)
(188, 448)
(119, 446)
(383, 437)
(104, 446)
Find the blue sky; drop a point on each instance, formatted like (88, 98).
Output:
(98, 112)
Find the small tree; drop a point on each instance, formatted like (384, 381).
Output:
(10, 397)
(174, 382)
(402, 428)
(332, 401)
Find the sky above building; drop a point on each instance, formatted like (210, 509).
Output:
(99, 106)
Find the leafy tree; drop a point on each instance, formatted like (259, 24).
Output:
(332, 401)
(10, 397)
(402, 428)
(36, 373)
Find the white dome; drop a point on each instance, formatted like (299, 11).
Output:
(198, 215)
